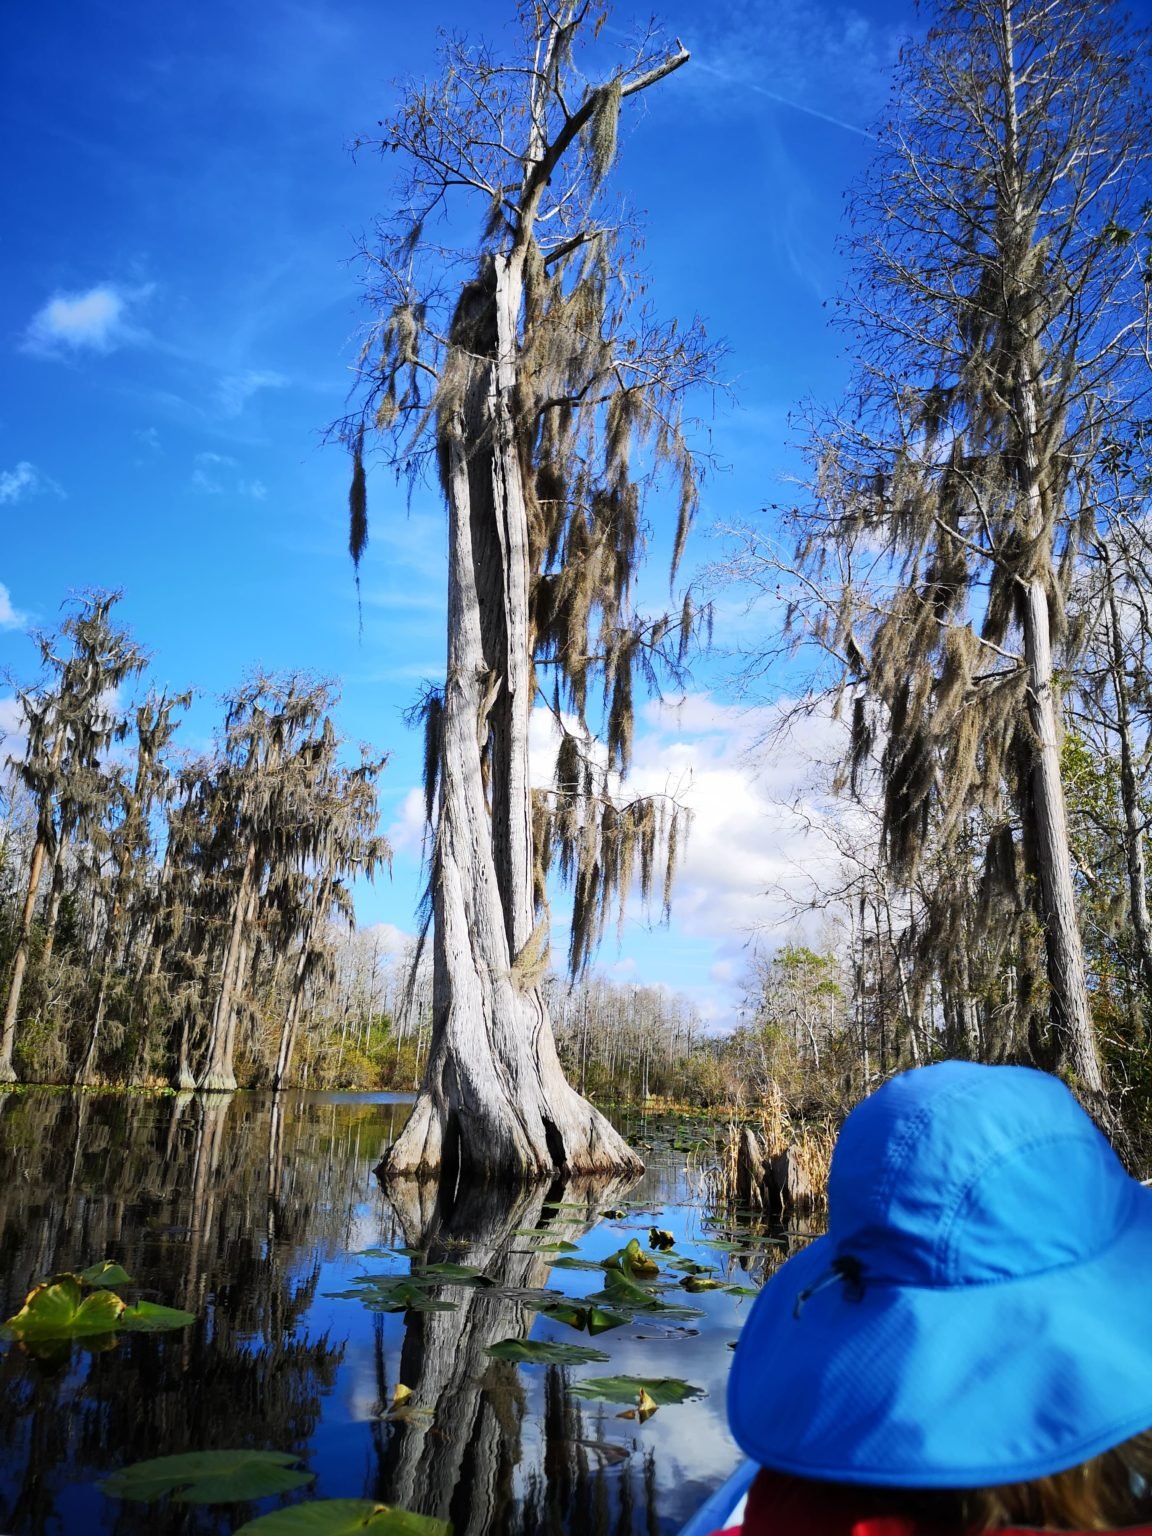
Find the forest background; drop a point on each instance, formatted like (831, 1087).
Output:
(165, 379)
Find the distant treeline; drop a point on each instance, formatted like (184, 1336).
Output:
(168, 914)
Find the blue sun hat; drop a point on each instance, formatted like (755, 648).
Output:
(980, 1310)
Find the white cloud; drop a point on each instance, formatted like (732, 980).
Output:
(96, 320)
(149, 438)
(831, 62)
(13, 736)
(210, 473)
(235, 390)
(10, 618)
(15, 483)
(387, 938)
(762, 846)
(406, 834)
(24, 481)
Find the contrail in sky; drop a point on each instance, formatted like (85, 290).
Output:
(797, 106)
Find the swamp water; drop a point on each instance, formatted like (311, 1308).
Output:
(316, 1296)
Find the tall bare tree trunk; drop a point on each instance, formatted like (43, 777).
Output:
(55, 898)
(1134, 829)
(20, 964)
(218, 1075)
(1071, 1018)
(495, 1104)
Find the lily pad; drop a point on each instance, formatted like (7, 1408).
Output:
(58, 1310)
(659, 1237)
(344, 1517)
(700, 1283)
(106, 1273)
(394, 1293)
(624, 1294)
(567, 1312)
(463, 1274)
(544, 1352)
(600, 1320)
(148, 1317)
(568, 1263)
(208, 1477)
(627, 1389)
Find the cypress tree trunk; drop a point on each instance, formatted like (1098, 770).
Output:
(20, 964)
(1071, 1018)
(1129, 794)
(218, 1075)
(56, 896)
(495, 1105)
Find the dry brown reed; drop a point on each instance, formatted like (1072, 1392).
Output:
(809, 1137)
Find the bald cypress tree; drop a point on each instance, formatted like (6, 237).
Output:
(999, 280)
(548, 398)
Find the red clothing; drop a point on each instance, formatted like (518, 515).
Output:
(789, 1506)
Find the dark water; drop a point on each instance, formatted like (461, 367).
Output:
(250, 1214)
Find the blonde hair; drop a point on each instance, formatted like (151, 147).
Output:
(1109, 1491)
(1106, 1493)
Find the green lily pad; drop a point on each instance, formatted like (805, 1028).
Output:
(696, 1283)
(544, 1352)
(343, 1517)
(600, 1320)
(57, 1310)
(626, 1389)
(567, 1263)
(394, 1293)
(627, 1295)
(464, 1274)
(148, 1317)
(208, 1477)
(742, 1290)
(567, 1312)
(106, 1273)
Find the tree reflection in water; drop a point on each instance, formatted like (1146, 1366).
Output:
(460, 1465)
(195, 1197)
(246, 1210)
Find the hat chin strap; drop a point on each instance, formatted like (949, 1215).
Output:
(844, 1268)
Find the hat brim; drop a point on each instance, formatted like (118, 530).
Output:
(947, 1387)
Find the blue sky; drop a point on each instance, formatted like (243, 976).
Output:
(180, 310)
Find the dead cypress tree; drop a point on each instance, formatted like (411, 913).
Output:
(998, 284)
(549, 398)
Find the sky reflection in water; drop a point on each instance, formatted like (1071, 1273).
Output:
(251, 1216)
